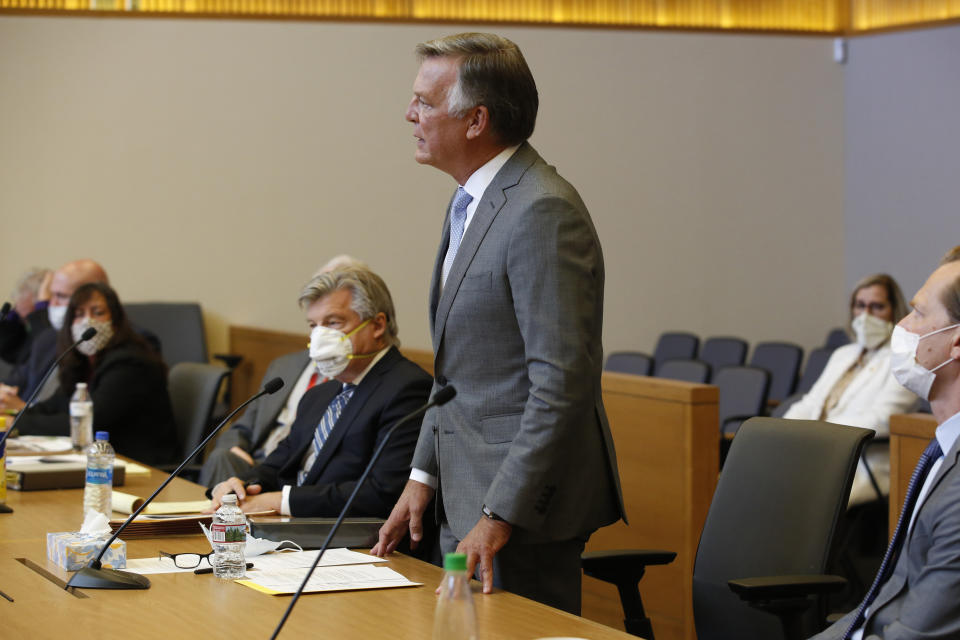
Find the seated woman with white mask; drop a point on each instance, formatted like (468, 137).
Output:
(857, 387)
(126, 379)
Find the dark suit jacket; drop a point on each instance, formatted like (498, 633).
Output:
(393, 388)
(517, 331)
(130, 400)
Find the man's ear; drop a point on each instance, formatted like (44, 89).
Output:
(478, 121)
(955, 344)
(379, 323)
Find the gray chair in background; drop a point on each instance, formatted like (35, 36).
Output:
(194, 388)
(722, 352)
(769, 536)
(686, 370)
(743, 395)
(816, 362)
(837, 337)
(633, 362)
(782, 360)
(178, 325)
(674, 346)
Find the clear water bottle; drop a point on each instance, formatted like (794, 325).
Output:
(98, 491)
(229, 533)
(455, 618)
(81, 417)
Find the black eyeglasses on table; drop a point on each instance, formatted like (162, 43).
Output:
(187, 560)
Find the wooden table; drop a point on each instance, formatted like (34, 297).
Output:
(187, 605)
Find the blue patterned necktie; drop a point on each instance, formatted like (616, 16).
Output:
(458, 219)
(327, 422)
(927, 458)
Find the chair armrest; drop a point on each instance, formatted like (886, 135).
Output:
(778, 587)
(623, 565)
(230, 360)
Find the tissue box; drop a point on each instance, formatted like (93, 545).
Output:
(72, 550)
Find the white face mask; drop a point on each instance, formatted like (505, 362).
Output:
(57, 315)
(331, 349)
(97, 342)
(870, 330)
(903, 361)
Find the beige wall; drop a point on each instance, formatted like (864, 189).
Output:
(223, 161)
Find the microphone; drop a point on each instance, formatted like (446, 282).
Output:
(89, 333)
(444, 395)
(4, 311)
(94, 576)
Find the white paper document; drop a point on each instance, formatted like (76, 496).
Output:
(40, 444)
(345, 578)
(281, 561)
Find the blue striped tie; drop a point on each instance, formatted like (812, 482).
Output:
(327, 422)
(458, 220)
(927, 458)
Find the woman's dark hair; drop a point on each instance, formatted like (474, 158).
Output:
(77, 367)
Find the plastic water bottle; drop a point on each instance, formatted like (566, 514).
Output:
(98, 491)
(229, 533)
(455, 618)
(81, 417)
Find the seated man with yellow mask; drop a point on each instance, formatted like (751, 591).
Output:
(340, 423)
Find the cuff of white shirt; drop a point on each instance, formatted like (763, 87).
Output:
(285, 501)
(423, 477)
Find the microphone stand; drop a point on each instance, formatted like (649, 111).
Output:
(442, 396)
(94, 576)
(89, 333)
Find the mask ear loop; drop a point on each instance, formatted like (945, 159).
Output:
(288, 545)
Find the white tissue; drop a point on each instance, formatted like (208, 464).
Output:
(95, 523)
(256, 546)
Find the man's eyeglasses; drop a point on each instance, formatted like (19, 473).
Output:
(187, 560)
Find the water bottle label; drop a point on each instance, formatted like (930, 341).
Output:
(80, 409)
(100, 476)
(228, 532)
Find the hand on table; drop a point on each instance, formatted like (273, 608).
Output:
(407, 515)
(482, 543)
(9, 400)
(231, 485)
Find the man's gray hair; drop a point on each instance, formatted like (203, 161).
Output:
(369, 295)
(30, 282)
(492, 72)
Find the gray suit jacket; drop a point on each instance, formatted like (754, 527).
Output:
(252, 428)
(517, 332)
(921, 599)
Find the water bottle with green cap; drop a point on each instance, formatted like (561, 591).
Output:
(455, 618)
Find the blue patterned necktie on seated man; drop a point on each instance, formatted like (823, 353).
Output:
(327, 422)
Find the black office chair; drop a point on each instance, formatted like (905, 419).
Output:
(674, 346)
(768, 537)
(816, 362)
(633, 362)
(837, 337)
(742, 395)
(193, 388)
(782, 360)
(723, 352)
(686, 370)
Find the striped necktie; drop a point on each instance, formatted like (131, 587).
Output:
(322, 432)
(927, 458)
(458, 221)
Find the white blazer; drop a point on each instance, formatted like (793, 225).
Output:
(869, 400)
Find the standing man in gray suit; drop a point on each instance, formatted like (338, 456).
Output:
(521, 461)
(917, 591)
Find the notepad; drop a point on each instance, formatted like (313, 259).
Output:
(128, 503)
(346, 578)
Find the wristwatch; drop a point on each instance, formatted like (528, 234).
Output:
(490, 515)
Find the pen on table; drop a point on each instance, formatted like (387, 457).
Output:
(6, 596)
(209, 570)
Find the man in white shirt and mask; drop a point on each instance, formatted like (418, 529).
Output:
(917, 592)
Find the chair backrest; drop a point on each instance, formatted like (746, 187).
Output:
(782, 360)
(743, 394)
(194, 387)
(724, 352)
(816, 361)
(639, 364)
(686, 370)
(178, 325)
(675, 346)
(837, 337)
(775, 512)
